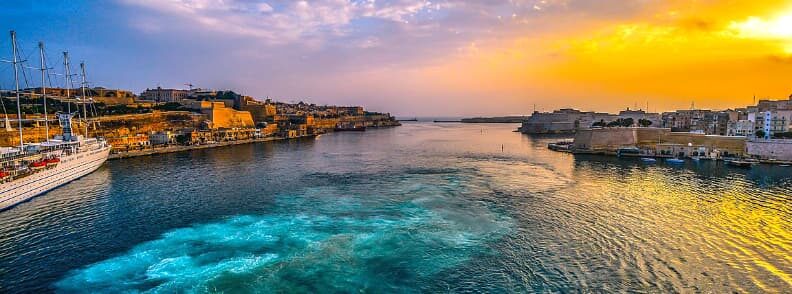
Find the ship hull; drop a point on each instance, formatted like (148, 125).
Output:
(70, 168)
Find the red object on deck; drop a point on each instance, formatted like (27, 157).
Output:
(53, 160)
(41, 163)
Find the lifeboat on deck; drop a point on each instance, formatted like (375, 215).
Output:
(39, 164)
(52, 162)
(4, 175)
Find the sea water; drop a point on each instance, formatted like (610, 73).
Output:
(419, 208)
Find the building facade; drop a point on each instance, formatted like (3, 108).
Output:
(164, 95)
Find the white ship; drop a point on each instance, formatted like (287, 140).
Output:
(31, 169)
(44, 166)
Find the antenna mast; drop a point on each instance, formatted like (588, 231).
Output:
(83, 98)
(16, 81)
(44, 87)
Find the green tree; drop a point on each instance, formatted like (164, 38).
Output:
(600, 123)
(182, 139)
(760, 134)
(627, 122)
(644, 123)
(170, 106)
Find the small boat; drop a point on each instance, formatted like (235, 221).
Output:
(563, 146)
(628, 151)
(784, 165)
(675, 161)
(52, 161)
(740, 163)
(37, 165)
(648, 159)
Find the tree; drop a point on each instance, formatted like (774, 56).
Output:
(600, 123)
(760, 134)
(622, 122)
(182, 139)
(627, 122)
(170, 106)
(644, 123)
(227, 95)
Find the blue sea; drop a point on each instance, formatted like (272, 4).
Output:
(420, 208)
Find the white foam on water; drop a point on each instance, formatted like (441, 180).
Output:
(341, 247)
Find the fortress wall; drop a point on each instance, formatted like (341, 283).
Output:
(775, 149)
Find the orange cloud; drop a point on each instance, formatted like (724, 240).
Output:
(717, 54)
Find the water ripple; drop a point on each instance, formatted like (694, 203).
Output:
(421, 208)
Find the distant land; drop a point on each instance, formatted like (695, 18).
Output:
(495, 120)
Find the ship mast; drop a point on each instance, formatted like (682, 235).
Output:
(44, 87)
(16, 81)
(83, 98)
(68, 81)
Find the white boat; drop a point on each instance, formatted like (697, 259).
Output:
(32, 169)
(675, 161)
(740, 163)
(648, 159)
(45, 166)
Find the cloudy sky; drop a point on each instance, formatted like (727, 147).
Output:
(422, 58)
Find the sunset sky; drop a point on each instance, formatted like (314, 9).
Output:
(423, 58)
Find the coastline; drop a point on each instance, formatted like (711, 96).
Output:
(180, 148)
(495, 120)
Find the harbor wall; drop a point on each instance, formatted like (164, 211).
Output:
(605, 139)
(608, 140)
(770, 149)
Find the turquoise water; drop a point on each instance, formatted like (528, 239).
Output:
(420, 208)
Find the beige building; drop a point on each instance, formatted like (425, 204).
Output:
(98, 94)
(162, 138)
(164, 95)
(221, 116)
(261, 111)
(743, 128)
